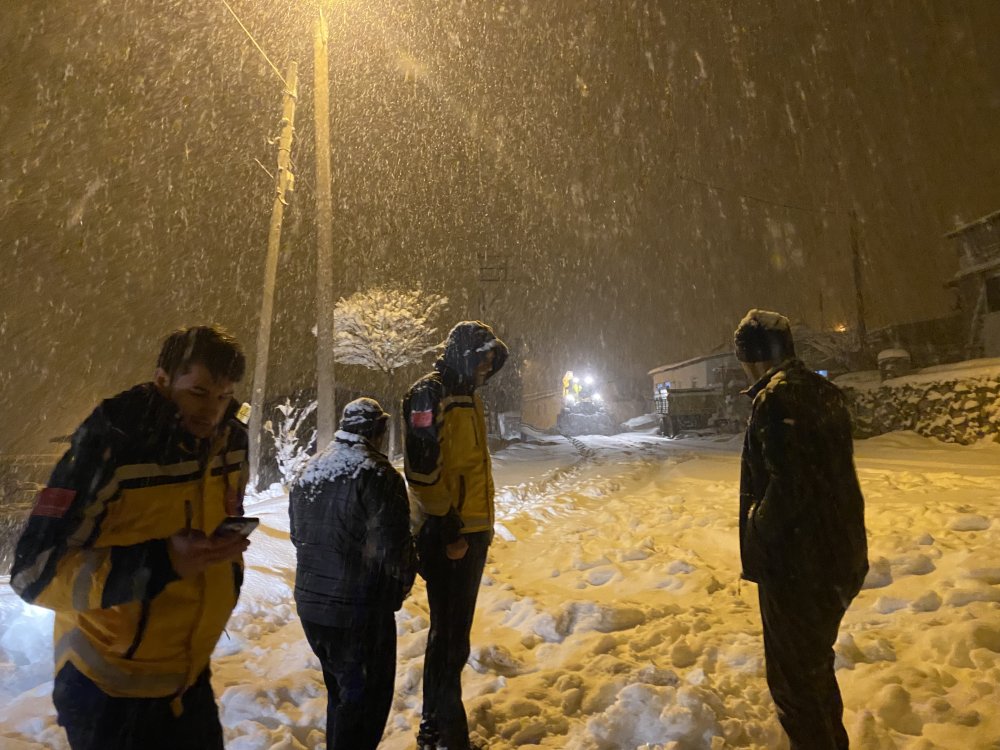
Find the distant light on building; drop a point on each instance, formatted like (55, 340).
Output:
(840, 328)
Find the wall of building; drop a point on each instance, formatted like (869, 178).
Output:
(540, 410)
(695, 375)
(991, 334)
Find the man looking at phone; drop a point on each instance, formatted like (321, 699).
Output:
(121, 545)
(350, 523)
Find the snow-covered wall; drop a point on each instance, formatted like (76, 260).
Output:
(956, 404)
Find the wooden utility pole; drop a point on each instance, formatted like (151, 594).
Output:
(284, 184)
(326, 383)
(859, 295)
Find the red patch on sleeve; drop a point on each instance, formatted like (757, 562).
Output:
(422, 418)
(53, 502)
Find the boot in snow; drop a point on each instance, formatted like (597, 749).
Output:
(427, 735)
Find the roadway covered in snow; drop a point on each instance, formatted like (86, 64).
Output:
(612, 615)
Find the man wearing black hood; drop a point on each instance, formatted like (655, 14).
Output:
(802, 527)
(447, 464)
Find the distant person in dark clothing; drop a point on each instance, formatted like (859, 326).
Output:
(350, 523)
(124, 544)
(448, 469)
(802, 527)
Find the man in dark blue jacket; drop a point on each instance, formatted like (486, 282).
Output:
(350, 524)
(802, 527)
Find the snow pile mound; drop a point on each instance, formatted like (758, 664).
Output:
(611, 615)
(645, 715)
(644, 422)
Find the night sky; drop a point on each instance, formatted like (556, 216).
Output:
(644, 171)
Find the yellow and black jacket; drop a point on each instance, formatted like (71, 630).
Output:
(447, 458)
(95, 547)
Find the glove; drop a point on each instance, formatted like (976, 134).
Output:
(444, 529)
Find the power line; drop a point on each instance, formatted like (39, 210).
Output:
(758, 199)
(856, 261)
(254, 42)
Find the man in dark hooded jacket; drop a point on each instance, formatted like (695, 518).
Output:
(350, 523)
(802, 527)
(447, 462)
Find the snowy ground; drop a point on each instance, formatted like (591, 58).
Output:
(611, 615)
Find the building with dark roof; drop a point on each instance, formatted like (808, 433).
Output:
(978, 284)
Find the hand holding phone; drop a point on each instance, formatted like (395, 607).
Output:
(191, 552)
(241, 525)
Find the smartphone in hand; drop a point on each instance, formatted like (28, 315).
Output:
(242, 525)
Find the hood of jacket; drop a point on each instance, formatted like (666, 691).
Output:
(467, 343)
(145, 414)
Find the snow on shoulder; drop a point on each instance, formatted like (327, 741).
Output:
(346, 457)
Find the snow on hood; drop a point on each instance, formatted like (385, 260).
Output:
(766, 319)
(763, 336)
(466, 345)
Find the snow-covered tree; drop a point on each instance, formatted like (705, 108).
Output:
(830, 348)
(385, 329)
(291, 449)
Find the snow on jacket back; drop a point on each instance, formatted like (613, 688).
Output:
(350, 524)
(95, 548)
(801, 509)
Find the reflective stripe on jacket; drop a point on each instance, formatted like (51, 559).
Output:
(95, 548)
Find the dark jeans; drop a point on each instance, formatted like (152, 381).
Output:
(94, 720)
(452, 587)
(359, 669)
(800, 628)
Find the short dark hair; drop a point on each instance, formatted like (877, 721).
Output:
(211, 346)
